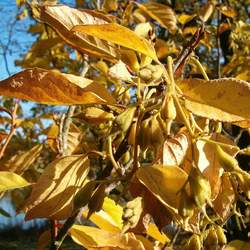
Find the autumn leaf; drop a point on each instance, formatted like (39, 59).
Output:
(9, 181)
(54, 191)
(21, 162)
(119, 35)
(91, 237)
(52, 87)
(163, 14)
(164, 183)
(225, 99)
(63, 18)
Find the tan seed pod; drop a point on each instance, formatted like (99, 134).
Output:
(145, 74)
(200, 187)
(144, 135)
(168, 110)
(194, 243)
(211, 241)
(186, 206)
(222, 239)
(228, 162)
(156, 133)
(125, 157)
(130, 59)
(131, 137)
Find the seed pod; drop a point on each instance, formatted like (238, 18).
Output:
(145, 74)
(129, 58)
(156, 133)
(83, 195)
(125, 157)
(228, 162)
(131, 137)
(194, 243)
(144, 136)
(211, 241)
(186, 206)
(97, 199)
(200, 187)
(132, 213)
(222, 239)
(168, 110)
(125, 119)
(145, 60)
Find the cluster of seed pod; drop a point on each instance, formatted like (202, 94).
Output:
(132, 213)
(151, 73)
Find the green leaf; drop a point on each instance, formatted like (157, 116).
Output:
(119, 35)
(10, 181)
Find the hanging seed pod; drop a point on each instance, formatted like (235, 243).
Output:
(194, 243)
(186, 206)
(200, 187)
(145, 74)
(97, 199)
(131, 137)
(156, 134)
(168, 110)
(83, 195)
(228, 162)
(144, 135)
(125, 119)
(211, 241)
(125, 157)
(222, 239)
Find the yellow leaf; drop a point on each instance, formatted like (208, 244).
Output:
(21, 162)
(227, 11)
(120, 72)
(53, 194)
(184, 18)
(10, 181)
(119, 35)
(163, 14)
(51, 87)
(154, 232)
(91, 237)
(63, 18)
(164, 183)
(237, 245)
(225, 99)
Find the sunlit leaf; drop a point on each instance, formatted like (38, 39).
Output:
(154, 232)
(21, 162)
(9, 181)
(63, 18)
(91, 237)
(120, 72)
(224, 200)
(174, 150)
(237, 245)
(227, 11)
(53, 193)
(163, 14)
(164, 183)
(52, 87)
(119, 35)
(225, 99)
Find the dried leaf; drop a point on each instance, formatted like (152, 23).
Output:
(225, 199)
(174, 150)
(119, 35)
(63, 18)
(53, 193)
(21, 162)
(3, 136)
(9, 181)
(51, 87)
(120, 72)
(91, 237)
(164, 183)
(163, 14)
(227, 11)
(97, 115)
(225, 99)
